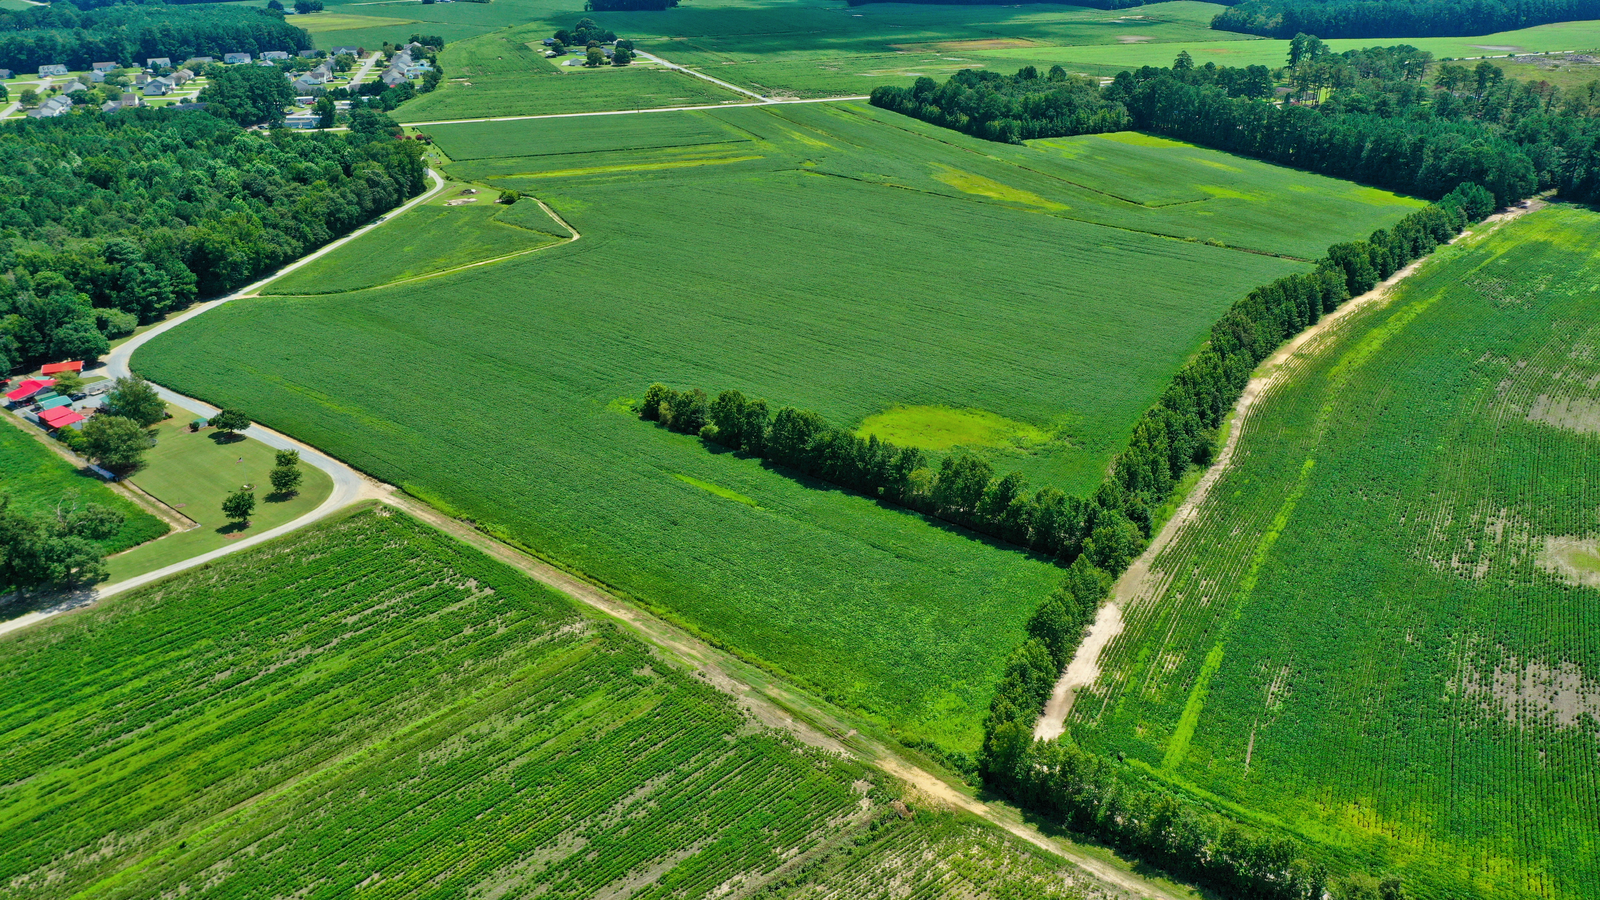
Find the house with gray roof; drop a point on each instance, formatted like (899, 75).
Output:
(274, 54)
(157, 87)
(158, 62)
(52, 71)
(235, 59)
(103, 67)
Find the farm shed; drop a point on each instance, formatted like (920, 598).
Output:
(53, 368)
(54, 403)
(27, 389)
(59, 417)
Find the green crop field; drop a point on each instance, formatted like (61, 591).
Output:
(367, 707)
(842, 259)
(492, 140)
(499, 74)
(37, 481)
(431, 238)
(1378, 631)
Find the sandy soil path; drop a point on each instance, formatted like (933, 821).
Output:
(1140, 583)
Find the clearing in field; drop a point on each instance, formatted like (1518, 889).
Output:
(1379, 629)
(942, 428)
(369, 706)
(828, 269)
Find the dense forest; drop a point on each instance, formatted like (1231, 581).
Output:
(110, 221)
(1383, 122)
(61, 34)
(1397, 18)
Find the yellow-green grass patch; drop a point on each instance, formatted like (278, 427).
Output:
(717, 489)
(946, 428)
(318, 23)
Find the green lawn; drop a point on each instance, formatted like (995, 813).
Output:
(432, 237)
(37, 480)
(842, 259)
(193, 473)
(1378, 629)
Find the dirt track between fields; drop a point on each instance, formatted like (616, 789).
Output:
(1139, 581)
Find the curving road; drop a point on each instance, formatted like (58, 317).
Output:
(348, 484)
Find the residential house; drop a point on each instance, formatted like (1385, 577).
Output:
(549, 42)
(181, 77)
(416, 69)
(274, 55)
(4, 74)
(301, 120)
(73, 87)
(357, 52)
(110, 106)
(98, 77)
(158, 62)
(52, 71)
(264, 62)
(130, 99)
(235, 59)
(103, 67)
(55, 106)
(323, 72)
(309, 54)
(157, 87)
(306, 85)
(391, 78)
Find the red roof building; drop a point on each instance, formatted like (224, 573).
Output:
(29, 388)
(60, 417)
(53, 368)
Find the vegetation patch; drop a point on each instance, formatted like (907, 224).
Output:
(942, 428)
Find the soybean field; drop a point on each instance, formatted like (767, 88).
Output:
(1379, 631)
(368, 708)
(834, 258)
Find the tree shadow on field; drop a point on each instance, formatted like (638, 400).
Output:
(232, 528)
(226, 437)
(817, 484)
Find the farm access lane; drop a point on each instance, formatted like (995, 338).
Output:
(693, 73)
(1139, 583)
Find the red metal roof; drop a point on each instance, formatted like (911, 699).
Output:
(60, 416)
(29, 388)
(53, 368)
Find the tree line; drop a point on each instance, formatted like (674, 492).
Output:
(112, 221)
(1108, 528)
(1382, 124)
(59, 34)
(1397, 18)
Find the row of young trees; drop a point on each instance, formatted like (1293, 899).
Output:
(1108, 528)
(1397, 18)
(59, 34)
(110, 221)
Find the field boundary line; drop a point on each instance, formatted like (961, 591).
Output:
(674, 67)
(630, 112)
(1083, 670)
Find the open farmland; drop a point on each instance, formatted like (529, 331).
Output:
(1379, 629)
(432, 238)
(369, 704)
(840, 260)
(500, 74)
